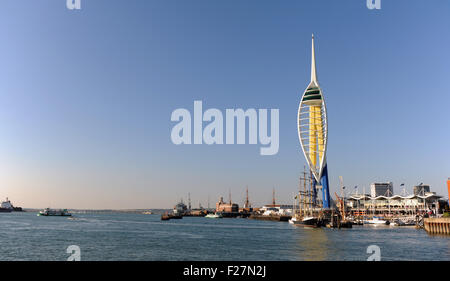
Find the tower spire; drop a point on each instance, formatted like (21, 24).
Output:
(313, 63)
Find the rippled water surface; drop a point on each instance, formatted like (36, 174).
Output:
(25, 236)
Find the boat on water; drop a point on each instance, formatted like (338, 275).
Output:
(308, 221)
(216, 215)
(403, 222)
(54, 213)
(377, 221)
(166, 216)
(5, 210)
(357, 222)
(7, 207)
(293, 220)
(180, 209)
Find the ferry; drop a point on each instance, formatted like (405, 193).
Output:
(55, 213)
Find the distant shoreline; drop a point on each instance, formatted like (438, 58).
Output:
(92, 211)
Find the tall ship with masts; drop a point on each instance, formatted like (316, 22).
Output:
(310, 210)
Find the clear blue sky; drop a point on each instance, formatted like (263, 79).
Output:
(86, 96)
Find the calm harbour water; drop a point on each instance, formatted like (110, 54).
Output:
(25, 236)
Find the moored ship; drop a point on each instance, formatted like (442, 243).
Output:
(179, 210)
(216, 215)
(309, 221)
(310, 212)
(6, 206)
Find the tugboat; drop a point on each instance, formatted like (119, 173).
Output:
(54, 213)
(165, 217)
(179, 210)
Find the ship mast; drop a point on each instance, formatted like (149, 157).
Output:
(247, 202)
(300, 198)
(310, 194)
(304, 190)
(189, 201)
(273, 197)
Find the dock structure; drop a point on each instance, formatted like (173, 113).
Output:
(437, 225)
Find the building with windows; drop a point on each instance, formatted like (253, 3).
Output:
(421, 189)
(381, 189)
(230, 207)
(394, 205)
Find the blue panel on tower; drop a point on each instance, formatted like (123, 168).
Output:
(325, 188)
(314, 190)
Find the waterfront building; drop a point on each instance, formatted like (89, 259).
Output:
(278, 209)
(381, 189)
(312, 126)
(230, 207)
(395, 205)
(421, 189)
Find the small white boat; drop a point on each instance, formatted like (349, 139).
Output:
(214, 216)
(376, 221)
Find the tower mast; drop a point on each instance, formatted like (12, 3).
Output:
(313, 62)
(313, 134)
